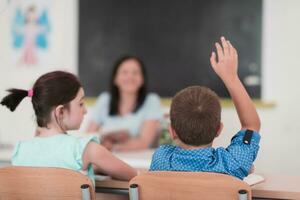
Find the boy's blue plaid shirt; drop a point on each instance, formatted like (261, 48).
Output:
(235, 160)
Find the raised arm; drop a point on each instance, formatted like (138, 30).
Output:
(226, 68)
(106, 162)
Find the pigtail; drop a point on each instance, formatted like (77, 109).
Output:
(12, 100)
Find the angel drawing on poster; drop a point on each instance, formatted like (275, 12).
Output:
(30, 32)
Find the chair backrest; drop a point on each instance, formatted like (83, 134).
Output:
(188, 185)
(42, 183)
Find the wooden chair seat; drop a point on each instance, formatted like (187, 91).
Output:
(188, 185)
(30, 183)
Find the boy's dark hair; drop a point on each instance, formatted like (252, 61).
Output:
(196, 115)
(50, 90)
(114, 90)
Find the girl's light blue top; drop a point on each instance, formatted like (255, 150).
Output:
(60, 150)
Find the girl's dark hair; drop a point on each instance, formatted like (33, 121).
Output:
(114, 90)
(50, 90)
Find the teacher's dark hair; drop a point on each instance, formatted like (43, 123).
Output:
(114, 90)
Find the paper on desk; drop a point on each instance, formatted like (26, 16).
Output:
(100, 177)
(253, 179)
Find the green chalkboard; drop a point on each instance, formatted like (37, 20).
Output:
(173, 37)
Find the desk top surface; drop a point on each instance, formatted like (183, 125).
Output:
(5, 154)
(274, 186)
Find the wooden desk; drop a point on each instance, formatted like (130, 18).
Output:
(274, 186)
(5, 155)
(278, 187)
(137, 159)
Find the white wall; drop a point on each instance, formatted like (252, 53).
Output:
(281, 68)
(62, 54)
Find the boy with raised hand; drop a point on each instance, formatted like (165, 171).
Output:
(196, 120)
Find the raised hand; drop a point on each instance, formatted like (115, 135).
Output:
(227, 63)
(226, 68)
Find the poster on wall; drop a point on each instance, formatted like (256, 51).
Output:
(30, 31)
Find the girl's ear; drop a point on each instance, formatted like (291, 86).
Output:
(59, 111)
(172, 133)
